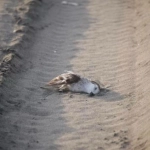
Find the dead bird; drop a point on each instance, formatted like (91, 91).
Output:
(73, 82)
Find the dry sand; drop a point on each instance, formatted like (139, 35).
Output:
(104, 40)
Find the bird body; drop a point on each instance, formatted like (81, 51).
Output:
(70, 81)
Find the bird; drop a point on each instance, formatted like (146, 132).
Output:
(73, 82)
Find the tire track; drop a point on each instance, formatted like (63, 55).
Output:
(107, 55)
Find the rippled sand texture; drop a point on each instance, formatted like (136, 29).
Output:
(103, 40)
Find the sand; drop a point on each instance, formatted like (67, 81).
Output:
(102, 40)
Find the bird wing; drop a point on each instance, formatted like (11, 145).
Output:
(66, 78)
(72, 78)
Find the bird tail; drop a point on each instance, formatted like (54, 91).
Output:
(48, 87)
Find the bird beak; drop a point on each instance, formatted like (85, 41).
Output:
(91, 94)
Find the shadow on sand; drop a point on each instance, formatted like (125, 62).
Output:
(106, 94)
(110, 95)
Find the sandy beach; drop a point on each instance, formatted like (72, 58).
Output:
(102, 40)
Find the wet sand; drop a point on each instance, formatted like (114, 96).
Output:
(106, 41)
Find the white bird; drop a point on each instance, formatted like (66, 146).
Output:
(70, 81)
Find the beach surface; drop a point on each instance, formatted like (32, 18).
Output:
(102, 40)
